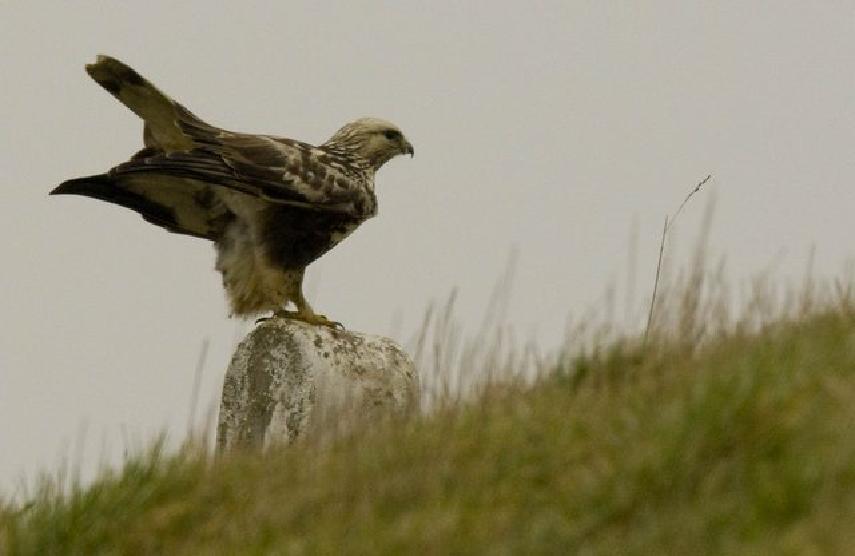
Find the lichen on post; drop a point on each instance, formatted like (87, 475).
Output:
(289, 380)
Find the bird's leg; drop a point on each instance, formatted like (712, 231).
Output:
(304, 311)
(306, 314)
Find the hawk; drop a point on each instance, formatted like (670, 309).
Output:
(271, 205)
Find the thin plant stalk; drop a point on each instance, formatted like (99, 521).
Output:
(669, 222)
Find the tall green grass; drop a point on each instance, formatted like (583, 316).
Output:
(728, 438)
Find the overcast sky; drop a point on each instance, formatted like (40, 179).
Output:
(552, 128)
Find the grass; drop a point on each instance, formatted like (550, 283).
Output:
(740, 442)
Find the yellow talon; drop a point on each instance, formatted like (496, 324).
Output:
(309, 317)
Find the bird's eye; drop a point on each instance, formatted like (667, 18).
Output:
(391, 134)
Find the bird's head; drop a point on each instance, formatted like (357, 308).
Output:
(373, 139)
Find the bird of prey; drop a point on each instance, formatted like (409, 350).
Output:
(271, 205)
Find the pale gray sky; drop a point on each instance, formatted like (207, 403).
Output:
(546, 126)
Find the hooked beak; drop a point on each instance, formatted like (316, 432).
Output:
(408, 149)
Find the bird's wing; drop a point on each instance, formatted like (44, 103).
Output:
(179, 205)
(277, 170)
(162, 115)
(178, 190)
(284, 170)
(173, 182)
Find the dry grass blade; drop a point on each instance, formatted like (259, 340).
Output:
(197, 384)
(669, 222)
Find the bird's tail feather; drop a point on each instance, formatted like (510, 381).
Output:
(160, 113)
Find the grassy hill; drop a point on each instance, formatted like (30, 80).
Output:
(744, 445)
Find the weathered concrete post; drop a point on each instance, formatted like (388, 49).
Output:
(287, 378)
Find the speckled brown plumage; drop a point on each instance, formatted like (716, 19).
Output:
(272, 205)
